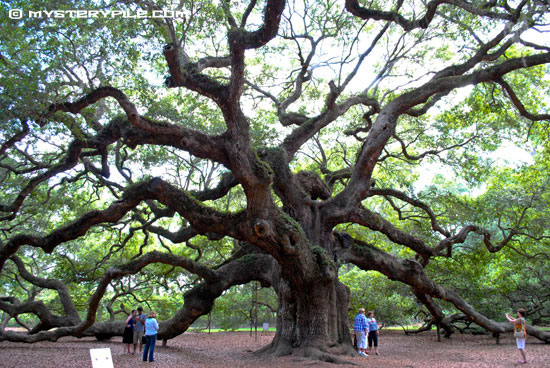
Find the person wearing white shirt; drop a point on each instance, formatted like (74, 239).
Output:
(151, 330)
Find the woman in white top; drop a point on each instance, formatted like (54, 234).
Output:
(151, 330)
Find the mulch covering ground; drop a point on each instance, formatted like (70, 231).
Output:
(235, 349)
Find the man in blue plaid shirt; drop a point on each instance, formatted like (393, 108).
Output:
(361, 328)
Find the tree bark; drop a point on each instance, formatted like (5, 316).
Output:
(312, 321)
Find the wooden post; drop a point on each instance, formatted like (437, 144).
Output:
(256, 312)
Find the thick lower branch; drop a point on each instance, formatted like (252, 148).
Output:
(368, 257)
(242, 268)
(57, 285)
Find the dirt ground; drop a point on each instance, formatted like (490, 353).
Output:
(235, 349)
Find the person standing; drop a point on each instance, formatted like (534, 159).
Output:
(139, 329)
(128, 337)
(520, 332)
(361, 328)
(151, 330)
(373, 332)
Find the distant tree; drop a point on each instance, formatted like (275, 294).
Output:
(271, 141)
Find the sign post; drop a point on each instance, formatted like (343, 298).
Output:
(101, 358)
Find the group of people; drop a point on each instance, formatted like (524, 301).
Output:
(366, 328)
(141, 329)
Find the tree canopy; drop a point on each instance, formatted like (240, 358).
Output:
(297, 144)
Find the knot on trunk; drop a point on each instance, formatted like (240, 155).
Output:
(313, 185)
(261, 228)
(288, 244)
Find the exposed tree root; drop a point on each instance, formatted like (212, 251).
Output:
(326, 353)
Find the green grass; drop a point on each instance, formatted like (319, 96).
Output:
(271, 329)
(400, 328)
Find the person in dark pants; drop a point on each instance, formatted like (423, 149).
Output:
(128, 337)
(373, 333)
(151, 330)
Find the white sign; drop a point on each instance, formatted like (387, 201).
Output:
(101, 358)
(266, 326)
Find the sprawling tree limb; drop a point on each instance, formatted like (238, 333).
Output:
(242, 268)
(438, 317)
(225, 184)
(519, 105)
(201, 217)
(57, 285)
(460, 237)
(267, 31)
(48, 320)
(414, 202)
(188, 75)
(368, 257)
(165, 134)
(193, 141)
(411, 157)
(302, 134)
(263, 233)
(428, 105)
(213, 62)
(68, 162)
(16, 138)
(431, 7)
(113, 273)
(91, 98)
(200, 300)
(374, 221)
(384, 126)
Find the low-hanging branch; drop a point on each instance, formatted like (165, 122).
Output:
(198, 301)
(57, 285)
(368, 257)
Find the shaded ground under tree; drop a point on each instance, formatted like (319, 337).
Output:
(235, 349)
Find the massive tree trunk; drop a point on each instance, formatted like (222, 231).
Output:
(312, 320)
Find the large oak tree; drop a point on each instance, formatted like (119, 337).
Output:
(267, 132)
